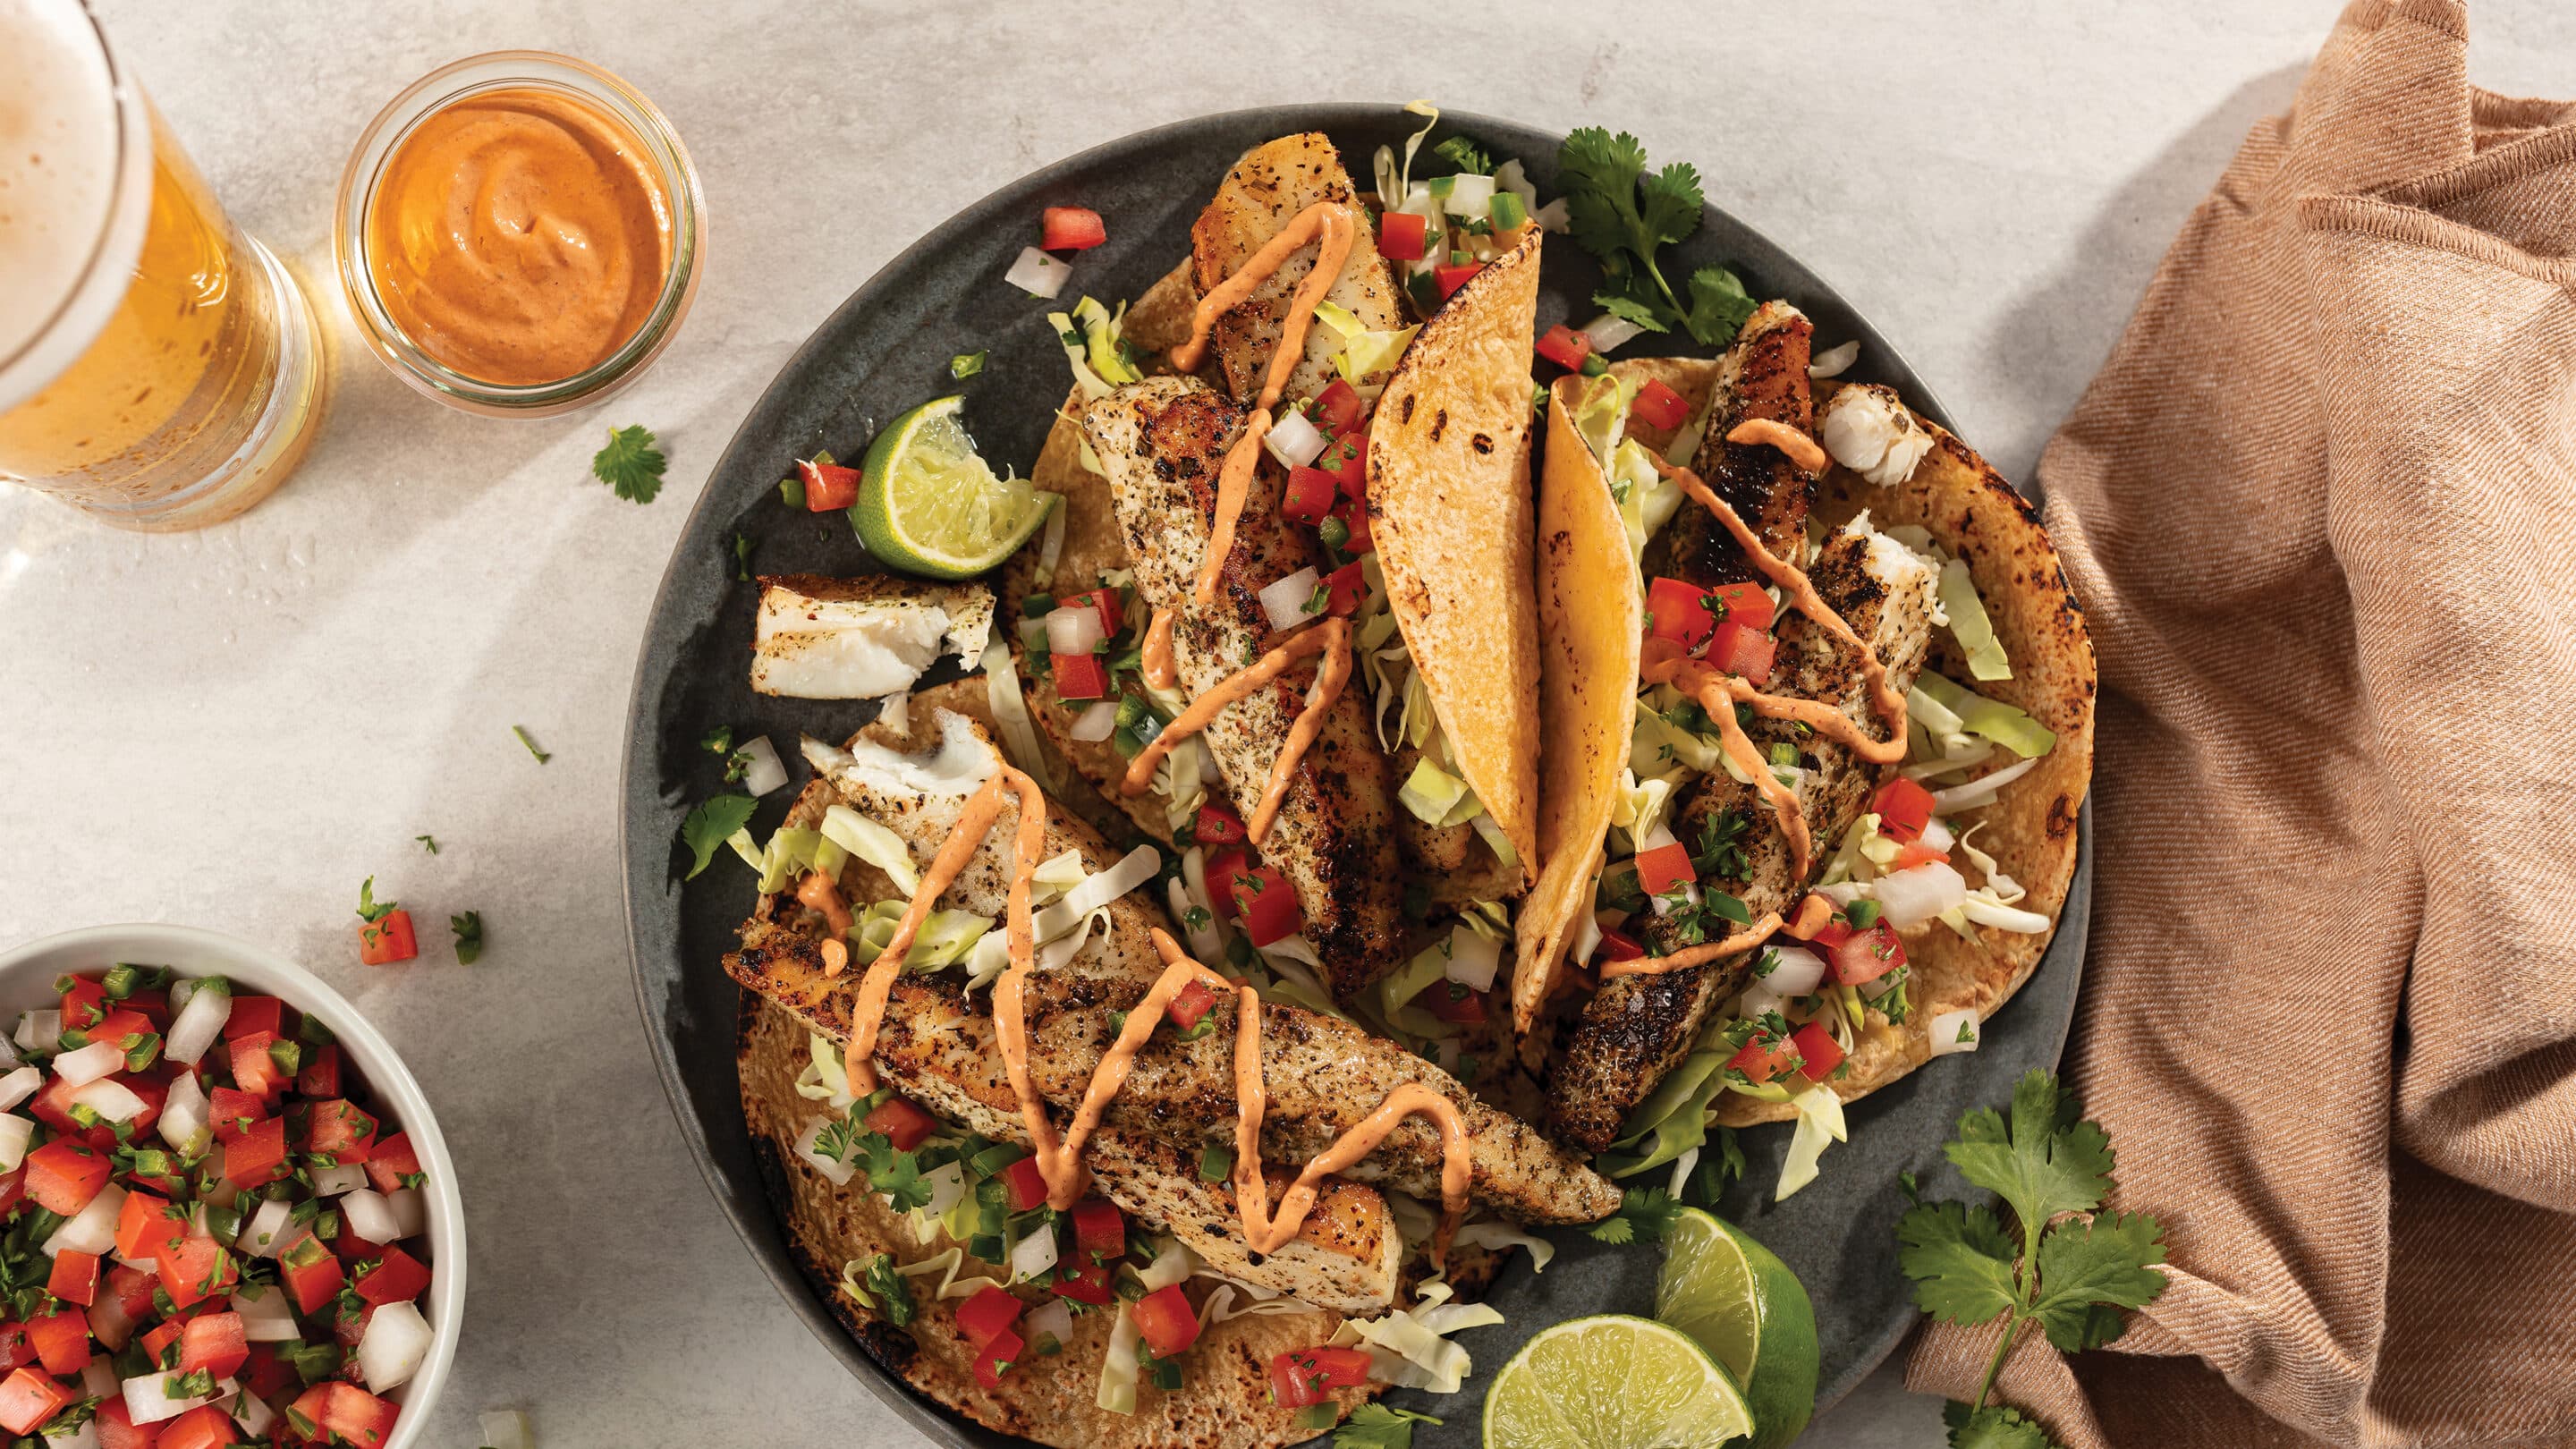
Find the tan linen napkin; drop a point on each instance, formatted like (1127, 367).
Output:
(2320, 505)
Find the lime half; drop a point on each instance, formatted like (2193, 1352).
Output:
(928, 504)
(1613, 1382)
(1741, 1303)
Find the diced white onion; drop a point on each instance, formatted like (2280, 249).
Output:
(15, 1134)
(369, 1216)
(21, 1084)
(1174, 1262)
(39, 1031)
(1293, 440)
(1587, 939)
(1979, 791)
(1284, 600)
(761, 771)
(506, 1429)
(1610, 330)
(1937, 836)
(411, 1211)
(1908, 898)
(108, 1320)
(333, 1181)
(84, 1065)
(197, 1025)
(1470, 196)
(1073, 630)
(396, 1341)
(1758, 998)
(111, 1099)
(1797, 972)
(1207, 943)
(98, 1381)
(265, 1316)
(252, 1413)
(1033, 1257)
(1038, 274)
(1947, 1029)
(149, 1398)
(947, 1184)
(1098, 722)
(1834, 360)
(93, 1228)
(264, 1233)
(1051, 1319)
(838, 1172)
(1473, 959)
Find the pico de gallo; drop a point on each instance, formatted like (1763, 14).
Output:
(208, 1237)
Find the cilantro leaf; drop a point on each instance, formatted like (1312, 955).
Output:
(1466, 155)
(1960, 1259)
(2046, 1162)
(1622, 213)
(428, 843)
(1719, 305)
(370, 909)
(2085, 1271)
(469, 936)
(1643, 1211)
(1992, 1427)
(1630, 309)
(710, 824)
(882, 1280)
(1375, 1426)
(630, 464)
(741, 558)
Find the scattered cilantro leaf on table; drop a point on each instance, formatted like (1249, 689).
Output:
(2073, 1269)
(469, 936)
(530, 741)
(630, 464)
(741, 558)
(708, 826)
(1622, 213)
(428, 843)
(1375, 1426)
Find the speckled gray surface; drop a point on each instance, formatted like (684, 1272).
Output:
(233, 728)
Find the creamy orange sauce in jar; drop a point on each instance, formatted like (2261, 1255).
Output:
(519, 236)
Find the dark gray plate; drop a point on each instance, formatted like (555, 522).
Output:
(886, 349)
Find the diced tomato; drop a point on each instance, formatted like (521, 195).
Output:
(903, 1124)
(1449, 278)
(1354, 515)
(214, 1341)
(145, 1223)
(61, 1340)
(117, 1429)
(15, 1351)
(74, 1278)
(63, 1175)
(311, 1273)
(398, 1278)
(258, 1156)
(828, 486)
(1339, 407)
(1762, 1061)
(1746, 604)
(1080, 676)
(996, 1357)
(84, 1004)
(391, 1162)
(1735, 649)
(53, 1107)
(1346, 458)
(384, 942)
(350, 1412)
(233, 1112)
(1099, 1228)
(13, 1188)
(1070, 229)
(320, 1075)
(1867, 956)
(339, 1128)
(1167, 1321)
(28, 1398)
(195, 1269)
(255, 1068)
(1679, 612)
(1269, 907)
(1112, 609)
(1084, 1283)
(1455, 1004)
(989, 1313)
(1309, 1375)
(203, 1427)
(163, 1336)
(1818, 1052)
(1224, 868)
(1193, 1001)
(1344, 587)
(1831, 934)
(1914, 852)
(1216, 825)
(1664, 867)
(1026, 1185)
(1658, 406)
(265, 1374)
(1310, 495)
(1565, 347)
(1617, 946)
(1903, 808)
(1401, 236)
(353, 1248)
(252, 1015)
(131, 1289)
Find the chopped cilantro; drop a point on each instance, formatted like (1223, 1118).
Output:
(469, 936)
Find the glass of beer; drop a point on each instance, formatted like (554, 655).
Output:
(158, 369)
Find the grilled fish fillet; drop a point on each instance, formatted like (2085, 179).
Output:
(1161, 442)
(1258, 198)
(1637, 1028)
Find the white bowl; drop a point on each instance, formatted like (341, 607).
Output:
(27, 977)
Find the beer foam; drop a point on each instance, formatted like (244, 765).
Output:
(58, 161)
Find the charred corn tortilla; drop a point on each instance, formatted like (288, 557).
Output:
(1974, 514)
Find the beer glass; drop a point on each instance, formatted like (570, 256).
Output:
(158, 369)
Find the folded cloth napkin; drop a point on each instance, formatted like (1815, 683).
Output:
(2320, 505)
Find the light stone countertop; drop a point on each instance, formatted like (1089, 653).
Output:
(233, 728)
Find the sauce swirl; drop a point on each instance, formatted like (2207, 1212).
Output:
(1332, 639)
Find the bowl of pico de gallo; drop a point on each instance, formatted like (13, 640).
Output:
(226, 1213)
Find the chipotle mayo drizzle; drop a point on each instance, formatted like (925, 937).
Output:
(1800, 448)
(1332, 639)
(1813, 912)
(1157, 665)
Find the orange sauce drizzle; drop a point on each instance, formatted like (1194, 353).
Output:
(1159, 670)
(1812, 914)
(1332, 639)
(1801, 449)
(818, 893)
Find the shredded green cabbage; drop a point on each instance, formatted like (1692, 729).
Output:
(1438, 798)
(1090, 338)
(1117, 1393)
(1011, 711)
(1676, 1117)
(1820, 1122)
(1647, 499)
(1968, 621)
(946, 937)
(1990, 718)
(1656, 745)
(1601, 414)
(846, 829)
(1365, 354)
(1410, 1349)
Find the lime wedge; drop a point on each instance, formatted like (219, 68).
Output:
(1741, 1303)
(928, 504)
(1613, 1382)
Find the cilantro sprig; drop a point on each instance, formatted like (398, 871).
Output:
(2073, 1268)
(1375, 1426)
(630, 464)
(1644, 1212)
(1622, 213)
(710, 824)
